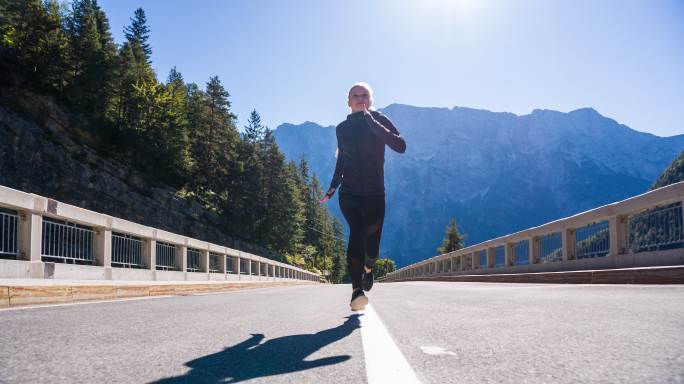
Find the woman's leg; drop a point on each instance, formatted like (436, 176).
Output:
(352, 210)
(374, 217)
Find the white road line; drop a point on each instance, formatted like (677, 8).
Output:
(384, 361)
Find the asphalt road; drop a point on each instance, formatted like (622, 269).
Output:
(447, 333)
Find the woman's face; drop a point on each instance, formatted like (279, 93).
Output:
(359, 99)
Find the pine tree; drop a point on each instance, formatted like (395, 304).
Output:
(339, 269)
(221, 137)
(56, 55)
(254, 130)
(452, 239)
(214, 143)
(283, 221)
(384, 266)
(94, 56)
(177, 120)
(136, 85)
(33, 45)
(139, 33)
(672, 174)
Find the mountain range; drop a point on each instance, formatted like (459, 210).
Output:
(495, 172)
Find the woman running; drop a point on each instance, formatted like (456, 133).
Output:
(361, 141)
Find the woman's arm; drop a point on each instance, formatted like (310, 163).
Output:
(337, 175)
(386, 131)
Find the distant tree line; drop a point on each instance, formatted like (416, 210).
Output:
(175, 132)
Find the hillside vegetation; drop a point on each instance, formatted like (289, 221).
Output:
(165, 135)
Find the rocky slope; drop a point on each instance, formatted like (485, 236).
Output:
(45, 155)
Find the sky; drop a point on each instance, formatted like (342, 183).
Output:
(294, 60)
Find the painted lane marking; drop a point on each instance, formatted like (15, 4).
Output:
(432, 350)
(384, 361)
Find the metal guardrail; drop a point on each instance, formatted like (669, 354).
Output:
(127, 251)
(214, 262)
(551, 248)
(592, 240)
(166, 257)
(522, 252)
(36, 230)
(230, 265)
(482, 259)
(656, 229)
(645, 230)
(500, 256)
(67, 242)
(244, 266)
(8, 234)
(193, 256)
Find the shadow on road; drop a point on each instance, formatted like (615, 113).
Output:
(250, 359)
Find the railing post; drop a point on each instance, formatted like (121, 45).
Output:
(681, 223)
(509, 254)
(249, 268)
(204, 261)
(29, 239)
(103, 251)
(617, 229)
(533, 245)
(182, 253)
(150, 253)
(223, 268)
(568, 239)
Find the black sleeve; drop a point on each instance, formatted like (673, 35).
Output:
(339, 166)
(386, 131)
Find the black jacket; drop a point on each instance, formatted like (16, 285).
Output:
(361, 141)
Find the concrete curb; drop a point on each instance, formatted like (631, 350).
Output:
(652, 275)
(26, 295)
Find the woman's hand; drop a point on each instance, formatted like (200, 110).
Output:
(365, 109)
(328, 195)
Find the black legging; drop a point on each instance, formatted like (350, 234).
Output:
(365, 215)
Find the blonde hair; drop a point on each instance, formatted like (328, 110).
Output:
(365, 86)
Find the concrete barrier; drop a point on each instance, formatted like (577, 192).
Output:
(654, 275)
(659, 211)
(33, 213)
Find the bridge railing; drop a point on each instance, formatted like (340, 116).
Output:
(645, 230)
(45, 238)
